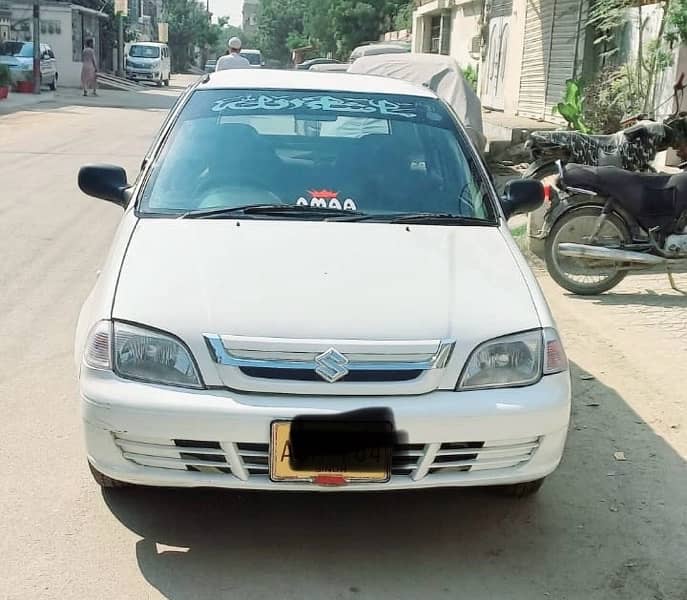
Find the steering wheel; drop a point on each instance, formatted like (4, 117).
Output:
(216, 195)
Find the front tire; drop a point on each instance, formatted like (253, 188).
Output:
(104, 481)
(53, 85)
(574, 274)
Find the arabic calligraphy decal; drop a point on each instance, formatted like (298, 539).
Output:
(341, 105)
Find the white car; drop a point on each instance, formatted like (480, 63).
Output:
(333, 306)
(254, 57)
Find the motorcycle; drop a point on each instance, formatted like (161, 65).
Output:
(634, 149)
(613, 221)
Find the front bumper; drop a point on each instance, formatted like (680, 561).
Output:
(143, 75)
(152, 435)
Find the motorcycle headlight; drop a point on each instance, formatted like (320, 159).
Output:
(513, 361)
(142, 354)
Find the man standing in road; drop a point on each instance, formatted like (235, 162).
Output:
(233, 60)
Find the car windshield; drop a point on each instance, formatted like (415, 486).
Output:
(23, 49)
(369, 154)
(138, 51)
(252, 57)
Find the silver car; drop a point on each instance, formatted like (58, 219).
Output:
(18, 56)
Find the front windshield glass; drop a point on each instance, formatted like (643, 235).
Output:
(22, 49)
(252, 57)
(138, 51)
(373, 154)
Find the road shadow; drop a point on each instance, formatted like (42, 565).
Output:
(144, 100)
(600, 528)
(649, 298)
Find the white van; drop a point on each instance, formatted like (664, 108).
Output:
(148, 61)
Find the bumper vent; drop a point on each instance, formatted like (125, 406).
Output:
(245, 460)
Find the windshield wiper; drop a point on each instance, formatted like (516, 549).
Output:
(270, 209)
(438, 218)
(422, 218)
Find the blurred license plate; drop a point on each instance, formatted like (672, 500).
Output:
(363, 465)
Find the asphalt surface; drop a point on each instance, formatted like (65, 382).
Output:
(599, 529)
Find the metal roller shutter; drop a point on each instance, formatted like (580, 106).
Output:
(553, 32)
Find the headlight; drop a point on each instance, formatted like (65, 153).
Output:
(26, 67)
(514, 360)
(142, 354)
(152, 356)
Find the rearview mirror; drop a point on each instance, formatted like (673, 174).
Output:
(522, 196)
(107, 182)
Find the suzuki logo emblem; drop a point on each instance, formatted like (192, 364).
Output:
(331, 365)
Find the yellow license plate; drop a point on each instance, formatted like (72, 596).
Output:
(372, 465)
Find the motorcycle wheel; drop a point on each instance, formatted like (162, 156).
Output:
(580, 276)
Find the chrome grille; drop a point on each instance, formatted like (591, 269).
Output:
(329, 360)
(244, 460)
(311, 375)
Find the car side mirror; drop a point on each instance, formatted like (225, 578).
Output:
(522, 196)
(107, 182)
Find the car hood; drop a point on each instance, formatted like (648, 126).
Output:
(291, 279)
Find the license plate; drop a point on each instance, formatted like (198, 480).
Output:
(363, 465)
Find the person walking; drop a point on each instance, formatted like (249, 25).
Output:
(89, 69)
(233, 58)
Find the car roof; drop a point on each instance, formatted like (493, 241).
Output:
(250, 51)
(268, 79)
(148, 44)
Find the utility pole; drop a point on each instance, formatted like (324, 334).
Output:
(120, 46)
(121, 10)
(36, 47)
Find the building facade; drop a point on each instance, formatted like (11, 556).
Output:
(250, 16)
(524, 50)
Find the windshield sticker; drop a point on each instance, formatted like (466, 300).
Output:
(326, 199)
(269, 103)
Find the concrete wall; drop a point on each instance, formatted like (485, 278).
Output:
(465, 26)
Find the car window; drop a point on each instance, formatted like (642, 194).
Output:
(376, 154)
(22, 49)
(139, 51)
(252, 57)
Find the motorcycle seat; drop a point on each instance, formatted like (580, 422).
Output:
(615, 182)
(650, 197)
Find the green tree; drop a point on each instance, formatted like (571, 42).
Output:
(279, 21)
(189, 28)
(335, 26)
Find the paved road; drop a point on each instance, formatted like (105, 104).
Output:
(600, 529)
